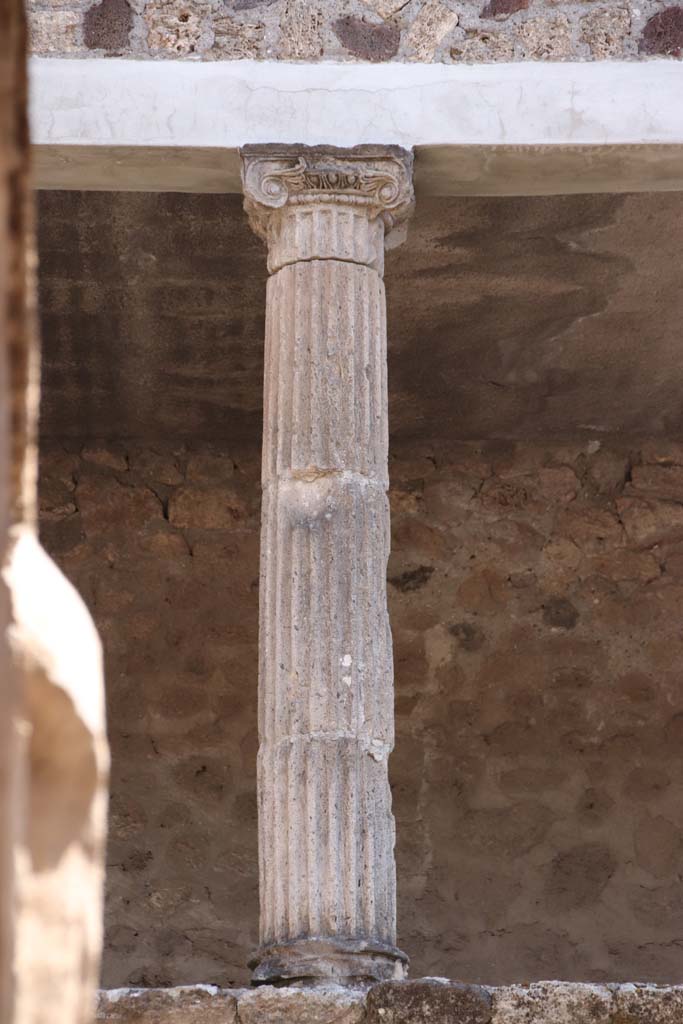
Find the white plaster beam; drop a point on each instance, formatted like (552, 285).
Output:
(523, 128)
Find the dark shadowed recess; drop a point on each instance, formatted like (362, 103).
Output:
(513, 318)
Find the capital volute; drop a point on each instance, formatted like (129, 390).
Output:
(374, 181)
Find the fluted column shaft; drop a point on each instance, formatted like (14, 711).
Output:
(326, 831)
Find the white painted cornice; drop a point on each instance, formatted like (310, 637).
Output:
(523, 128)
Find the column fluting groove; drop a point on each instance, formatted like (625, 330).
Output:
(326, 831)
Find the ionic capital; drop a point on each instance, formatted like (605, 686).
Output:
(321, 202)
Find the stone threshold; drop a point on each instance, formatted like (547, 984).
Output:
(428, 1000)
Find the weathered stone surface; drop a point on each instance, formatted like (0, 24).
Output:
(483, 46)
(647, 1004)
(58, 32)
(553, 1002)
(385, 8)
(301, 30)
(108, 457)
(236, 40)
(546, 38)
(163, 467)
(368, 41)
(429, 30)
(663, 33)
(105, 504)
(649, 523)
(362, 30)
(194, 1004)
(582, 741)
(329, 1005)
(327, 874)
(429, 1001)
(606, 31)
(107, 26)
(422, 1001)
(607, 471)
(248, 5)
(503, 8)
(661, 481)
(207, 508)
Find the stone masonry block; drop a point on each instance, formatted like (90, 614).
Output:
(648, 1004)
(430, 28)
(552, 1002)
(333, 1005)
(196, 1004)
(429, 1001)
(368, 41)
(54, 31)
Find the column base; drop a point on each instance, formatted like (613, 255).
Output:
(354, 962)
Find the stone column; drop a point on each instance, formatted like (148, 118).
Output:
(326, 831)
(53, 748)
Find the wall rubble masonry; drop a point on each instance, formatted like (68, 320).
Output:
(535, 595)
(441, 31)
(424, 1001)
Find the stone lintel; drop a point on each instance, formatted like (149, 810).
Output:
(528, 128)
(423, 1001)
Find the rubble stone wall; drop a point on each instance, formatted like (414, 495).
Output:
(425, 1001)
(442, 31)
(535, 598)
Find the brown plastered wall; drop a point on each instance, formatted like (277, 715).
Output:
(441, 31)
(535, 596)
